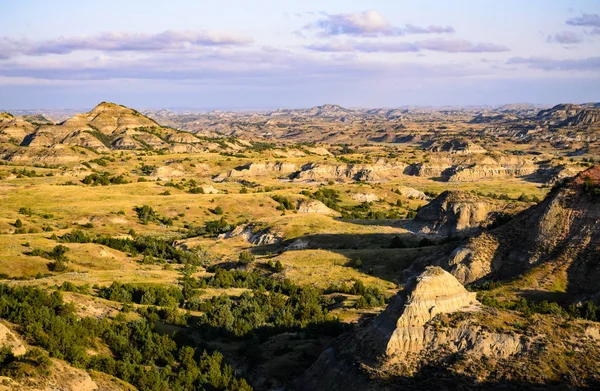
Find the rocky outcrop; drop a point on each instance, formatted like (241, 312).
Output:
(261, 169)
(10, 339)
(466, 168)
(111, 127)
(562, 231)
(314, 206)
(409, 192)
(455, 146)
(456, 212)
(14, 129)
(404, 337)
(570, 115)
(378, 171)
(365, 197)
(253, 235)
(168, 172)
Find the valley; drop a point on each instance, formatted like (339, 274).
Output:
(301, 249)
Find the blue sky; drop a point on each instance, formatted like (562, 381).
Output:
(265, 54)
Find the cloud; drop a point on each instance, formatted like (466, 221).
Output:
(368, 23)
(115, 42)
(230, 67)
(437, 45)
(547, 64)
(587, 20)
(461, 46)
(564, 37)
(366, 47)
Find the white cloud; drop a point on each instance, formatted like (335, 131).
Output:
(368, 23)
(118, 41)
(437, 45)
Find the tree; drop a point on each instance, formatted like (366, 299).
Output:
(246, 257)
(18, 223)
(278, 266)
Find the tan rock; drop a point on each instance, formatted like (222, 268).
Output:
(10, 339)
(314, 206)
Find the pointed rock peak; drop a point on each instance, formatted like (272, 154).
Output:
(435, 291)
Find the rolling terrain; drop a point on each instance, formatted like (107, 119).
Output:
(301, 249)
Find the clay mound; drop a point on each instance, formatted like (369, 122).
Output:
(435, 292)
(110, 126)
(586, 116)
(261, 169)
(455, 146)
(183, 137)
(455, 212)
(314, 206)
(409, 192)
(403, 338)
(562, 231)
(110, 118)
(381, 170)
(168, 172)
(14, 129)
(254, 234)
(365, 197)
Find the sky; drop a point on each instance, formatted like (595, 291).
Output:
(235, 54)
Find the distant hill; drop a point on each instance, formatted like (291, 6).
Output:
(571, 115)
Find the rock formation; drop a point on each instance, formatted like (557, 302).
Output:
(455, 146)
(563, 230)
(378, 171)
(315, 206)
(365, 197)
(409, 192)
(403, 338)
(455, 213)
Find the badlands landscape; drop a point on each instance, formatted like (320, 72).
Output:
(326, 248)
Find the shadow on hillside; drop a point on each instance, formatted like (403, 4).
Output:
(536, 296)
(379, 223)
(438, 377)
(376, 255)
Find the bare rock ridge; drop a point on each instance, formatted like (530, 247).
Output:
(108, 126)
(456, 213)
(455, 146)
(403, 338)
(562, 231)
(570, 115)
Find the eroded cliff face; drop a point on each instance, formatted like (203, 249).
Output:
(405, 336)
(563, 230)
(261, 169)
(379, 171)
(456, 212)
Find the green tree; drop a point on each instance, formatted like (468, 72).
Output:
(246, 257)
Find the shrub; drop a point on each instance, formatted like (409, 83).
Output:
(278, 266)
(246, 257)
